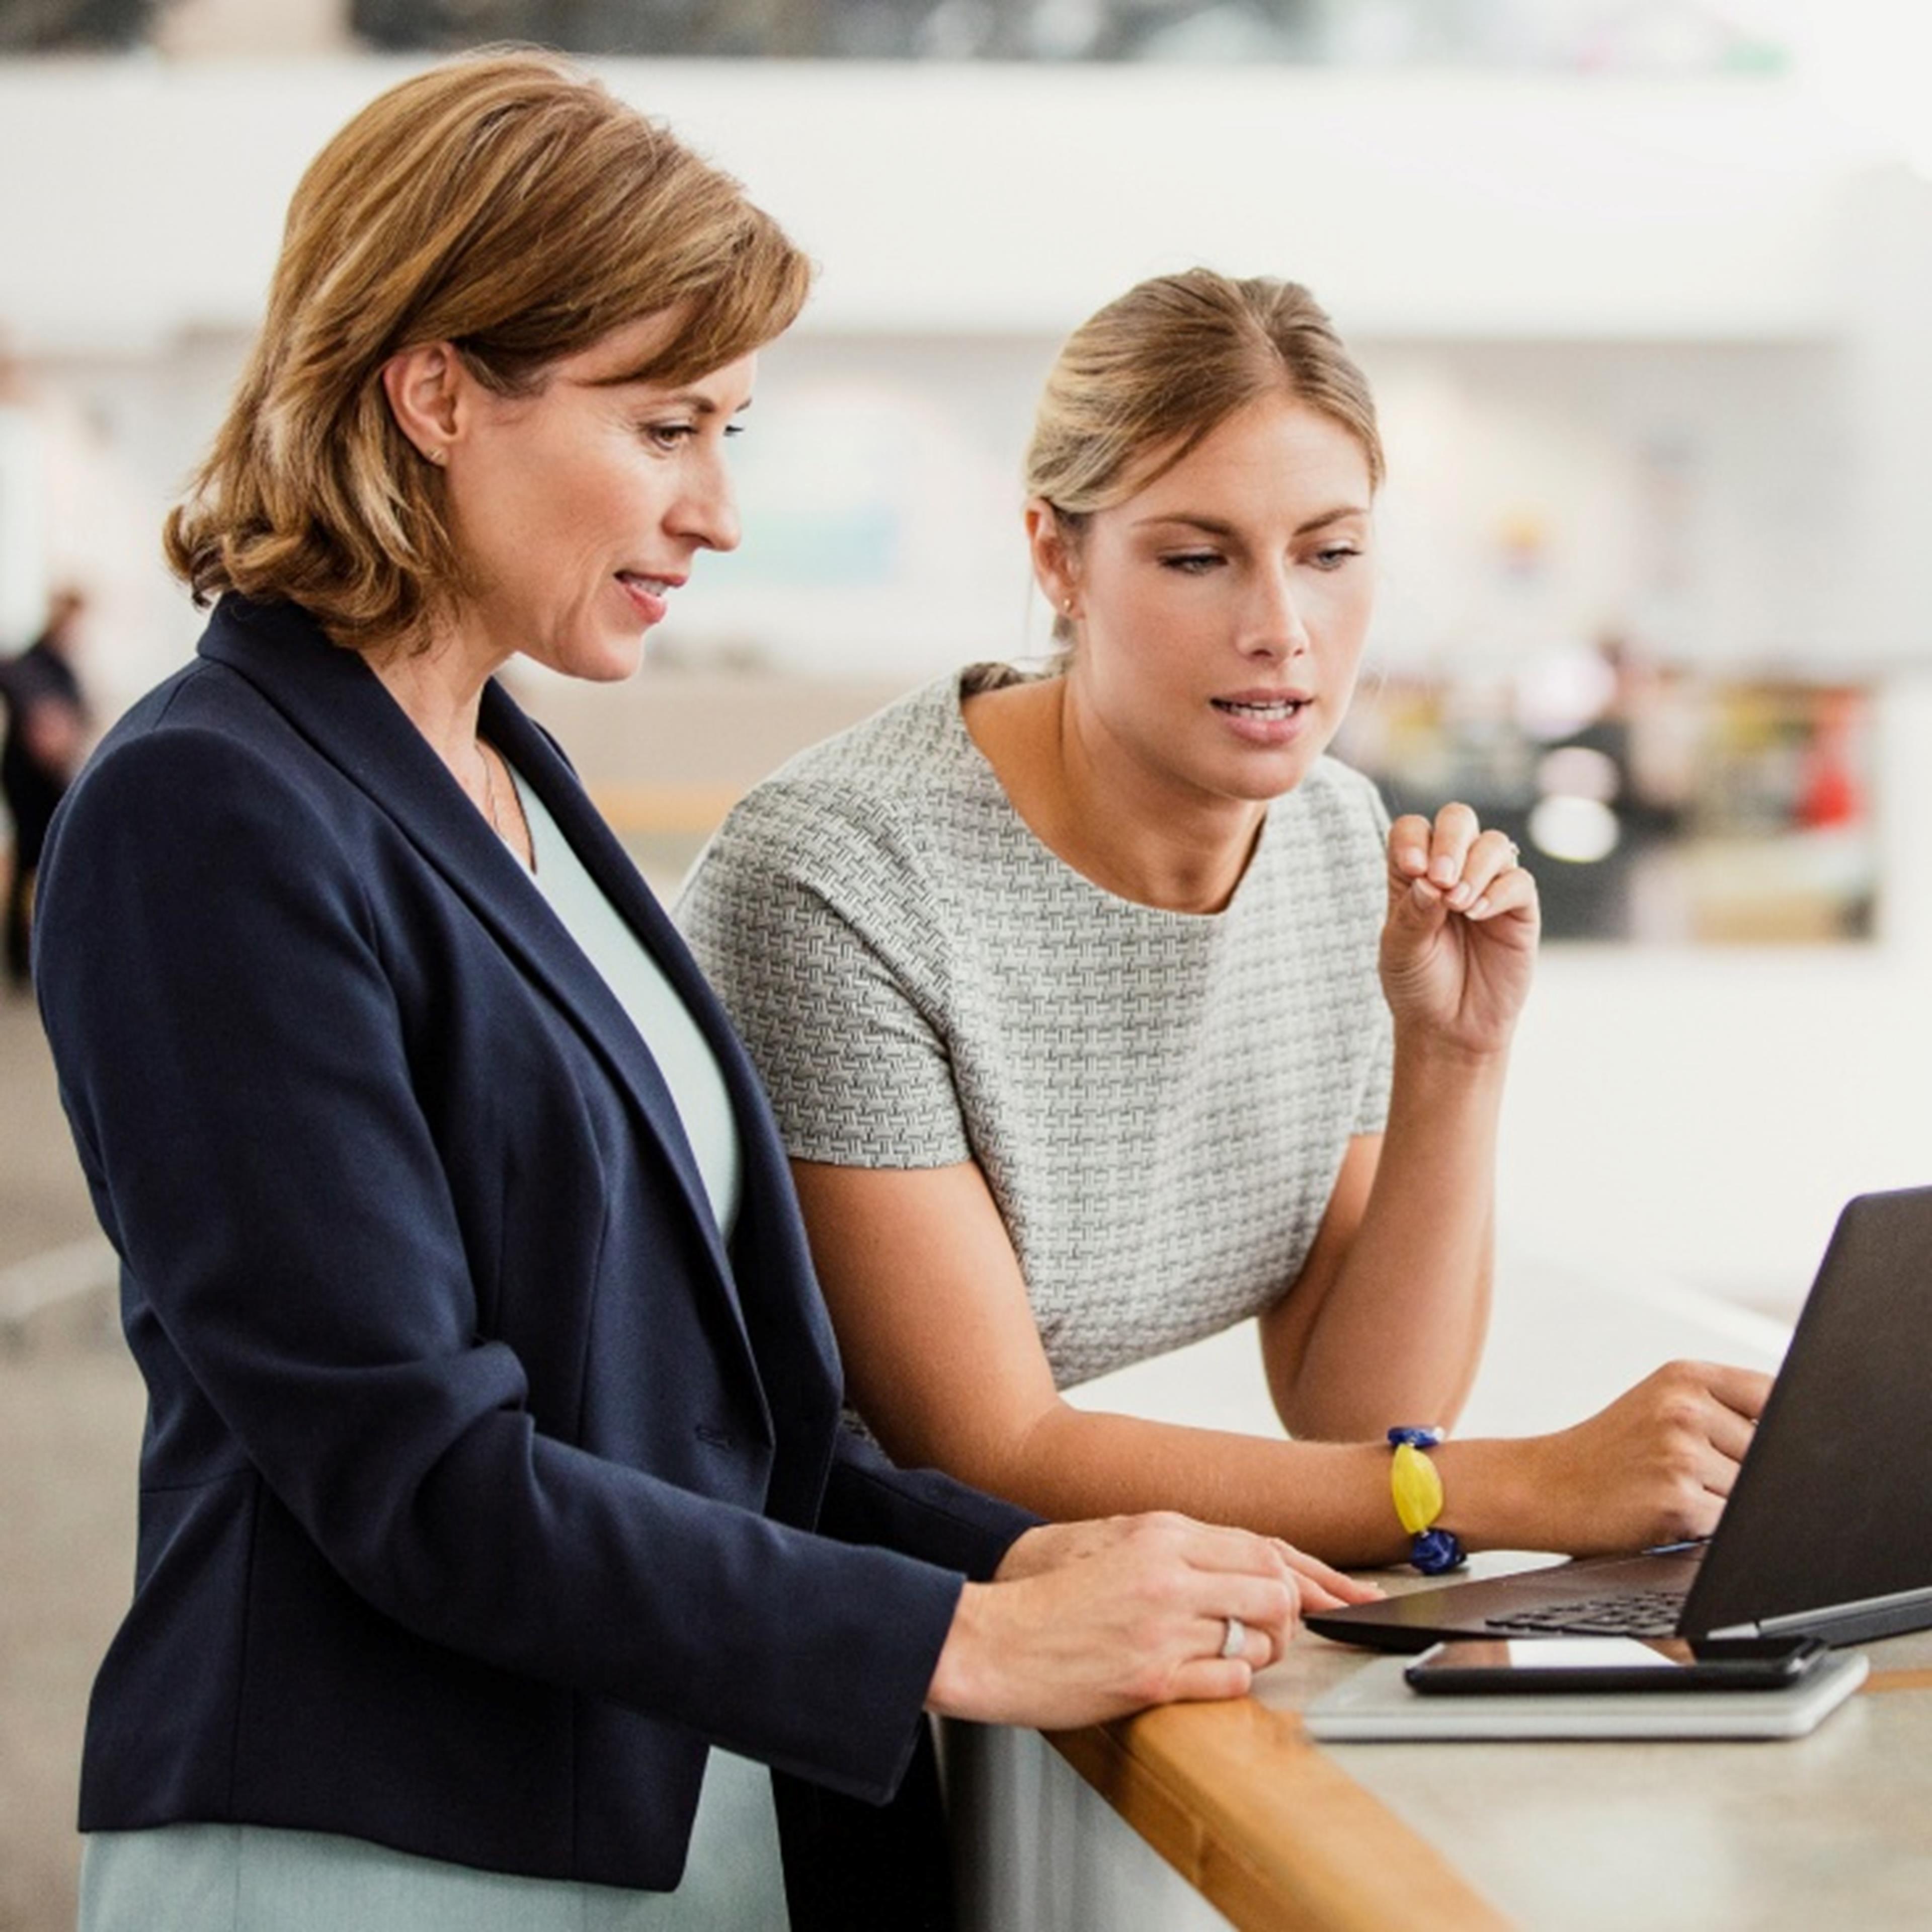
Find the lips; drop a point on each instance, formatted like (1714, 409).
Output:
(1260, 708)
(647, 594)
(1266, 720)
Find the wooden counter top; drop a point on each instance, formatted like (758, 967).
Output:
(1254, 1815)
(1278, 1834)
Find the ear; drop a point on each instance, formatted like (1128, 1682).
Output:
(424, 386)
(1054, 565)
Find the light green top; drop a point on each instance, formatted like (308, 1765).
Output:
(703, 1103)
(252, 1878)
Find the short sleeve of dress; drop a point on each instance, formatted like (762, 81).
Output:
(822, 934)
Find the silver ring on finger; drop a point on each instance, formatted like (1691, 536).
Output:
(1235, 1643)
(1515, 852)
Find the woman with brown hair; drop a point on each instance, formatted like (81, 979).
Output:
(1102, 1010)
(496, 1524)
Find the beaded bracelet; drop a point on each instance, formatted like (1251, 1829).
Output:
(1417, 1490)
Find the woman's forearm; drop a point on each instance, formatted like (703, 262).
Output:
(944, 1360)
(1652, 1467)
(1391, 1330)
(1331, 1498)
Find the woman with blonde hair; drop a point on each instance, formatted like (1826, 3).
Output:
(497, 1528)
(1102, 1010)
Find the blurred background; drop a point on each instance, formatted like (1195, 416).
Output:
(1643, 287)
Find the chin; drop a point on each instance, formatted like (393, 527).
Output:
(613, 670)
(1264, 781)
(608, 660)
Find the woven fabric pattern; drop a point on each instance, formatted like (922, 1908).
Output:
(1159, 1101)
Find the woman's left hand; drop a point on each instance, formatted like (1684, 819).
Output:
(1459, 944)
(1320, 1585)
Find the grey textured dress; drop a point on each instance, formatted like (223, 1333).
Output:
(1159, 1101)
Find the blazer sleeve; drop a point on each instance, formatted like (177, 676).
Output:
(218, 988)
(923, 1512)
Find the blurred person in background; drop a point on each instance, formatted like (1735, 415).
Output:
(46, 740)
(1102, 1011)
(497, 1527)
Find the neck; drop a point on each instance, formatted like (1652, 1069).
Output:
(1084, 796)
(440, 690)
(1144, 838)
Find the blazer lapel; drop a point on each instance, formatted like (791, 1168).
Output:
(770, 1209)
(343, 709)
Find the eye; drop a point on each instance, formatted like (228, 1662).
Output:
(1334, 556)
(1192, 563)
(672, 435)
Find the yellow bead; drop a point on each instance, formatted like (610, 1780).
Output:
(1416, 1488)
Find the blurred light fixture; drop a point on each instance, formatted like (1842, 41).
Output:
(1563, 689)
(1578, 771)
(1578, 831)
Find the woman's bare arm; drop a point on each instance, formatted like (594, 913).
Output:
(944, 1360)
(1386, 1322)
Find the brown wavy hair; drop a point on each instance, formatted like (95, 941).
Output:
(1143, 381)
(508, 204)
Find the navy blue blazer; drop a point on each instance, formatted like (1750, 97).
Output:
(481, 1485)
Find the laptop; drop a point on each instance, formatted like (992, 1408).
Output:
(1828, 1531)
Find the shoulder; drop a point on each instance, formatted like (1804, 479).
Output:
(200, 793)
(1341, 793)
(857, 809)
(193, 866)
(203, 741)
(1336, 809)
(902, 756)
(1326, 842)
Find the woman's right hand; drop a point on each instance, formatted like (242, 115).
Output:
(1134, 1612)
(1654, 1467)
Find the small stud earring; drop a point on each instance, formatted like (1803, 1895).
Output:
(438, 457)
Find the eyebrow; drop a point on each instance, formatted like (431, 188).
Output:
(1214, 527)
(683, 399)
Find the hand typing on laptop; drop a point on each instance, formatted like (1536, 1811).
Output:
(1653, 1467)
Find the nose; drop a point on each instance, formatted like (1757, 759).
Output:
(705, 512)
(1276, 627)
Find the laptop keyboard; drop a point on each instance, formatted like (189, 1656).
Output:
(1640, 1613)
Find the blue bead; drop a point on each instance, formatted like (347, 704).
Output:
(1436, 1550)
(1416, 1438)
